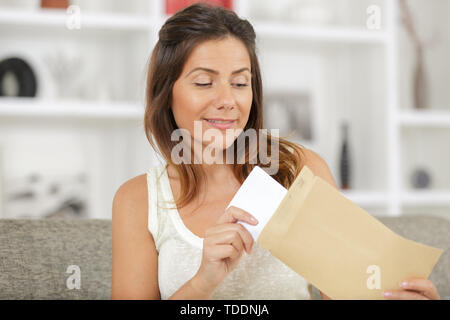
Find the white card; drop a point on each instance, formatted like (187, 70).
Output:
(260, 195)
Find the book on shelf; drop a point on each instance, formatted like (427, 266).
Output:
(172, 6)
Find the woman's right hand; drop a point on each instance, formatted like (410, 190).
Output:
(223, 246)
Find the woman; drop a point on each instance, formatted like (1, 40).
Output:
(204, 70)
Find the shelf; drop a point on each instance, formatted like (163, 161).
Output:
(58, 19)
(26, 107)
(425, 118)
(408, 198)
(110, 153)
(321, 34)
(426, 198)
(366, 198)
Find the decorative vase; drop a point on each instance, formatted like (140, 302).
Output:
(55, 4)
(172, 6)
(420, 83)
(420, 178)
(344, 162)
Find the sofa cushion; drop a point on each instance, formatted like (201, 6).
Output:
(35, 255)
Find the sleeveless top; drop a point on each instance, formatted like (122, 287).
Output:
(258, 276)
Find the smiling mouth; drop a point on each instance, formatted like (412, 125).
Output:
(220, 124)
(221, 121)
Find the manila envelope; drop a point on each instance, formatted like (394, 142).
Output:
(327, 239)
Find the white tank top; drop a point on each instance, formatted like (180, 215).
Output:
(258, 276)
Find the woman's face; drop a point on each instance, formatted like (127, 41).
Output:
(215, 84)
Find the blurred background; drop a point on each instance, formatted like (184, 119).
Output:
(364, 83)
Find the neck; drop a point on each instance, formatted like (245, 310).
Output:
(218, 174)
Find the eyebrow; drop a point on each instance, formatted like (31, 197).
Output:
(216, 72)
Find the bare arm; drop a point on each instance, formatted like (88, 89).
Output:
(135, 259)
(192, 290)
(134, 256)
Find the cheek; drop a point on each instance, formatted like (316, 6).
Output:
(246, 104)
(185, 107)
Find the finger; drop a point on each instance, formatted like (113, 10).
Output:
(405, 295)
(228, 237)
(236, 227)
(423, 286)
(223, 251)
(233, 214)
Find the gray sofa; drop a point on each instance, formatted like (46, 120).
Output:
(35, 255)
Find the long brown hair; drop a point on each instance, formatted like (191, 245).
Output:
(177, 38)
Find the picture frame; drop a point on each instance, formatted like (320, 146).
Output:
(291, 113)
(304, 103)
(172, 6)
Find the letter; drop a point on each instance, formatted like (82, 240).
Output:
(374, 281)
(184, 145)
(264, 310)
(235, 309)
(226, 307)
(254, 309)
(274, 150)
(244, 307)
(74, 280)
(210, 311)
(73, 20)
(202, 310)
(241, 154)
(216, 146)
(199, 139)
(183, 310)
(231, 136)
(374, 20)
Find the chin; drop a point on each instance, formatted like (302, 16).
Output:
(215, 146)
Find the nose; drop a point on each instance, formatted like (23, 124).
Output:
(225, 96)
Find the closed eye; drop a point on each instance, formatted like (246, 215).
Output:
(208, 84)
(203, 84)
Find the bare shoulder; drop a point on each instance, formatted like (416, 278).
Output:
(129, 208)
(132, 192)
(134, 256)
(318, 166)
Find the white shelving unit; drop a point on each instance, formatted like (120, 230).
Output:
(424, 118)
(58, 18)
(342, 35)
(110, 130)
(27, 107)
(349, 43)
(428, 198)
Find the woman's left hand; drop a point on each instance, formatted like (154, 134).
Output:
(414, 289)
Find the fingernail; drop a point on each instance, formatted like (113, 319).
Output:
(404, 284)
(387, 294)
(254, 219)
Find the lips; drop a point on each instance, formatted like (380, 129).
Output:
(220, 123)
(220, 120)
